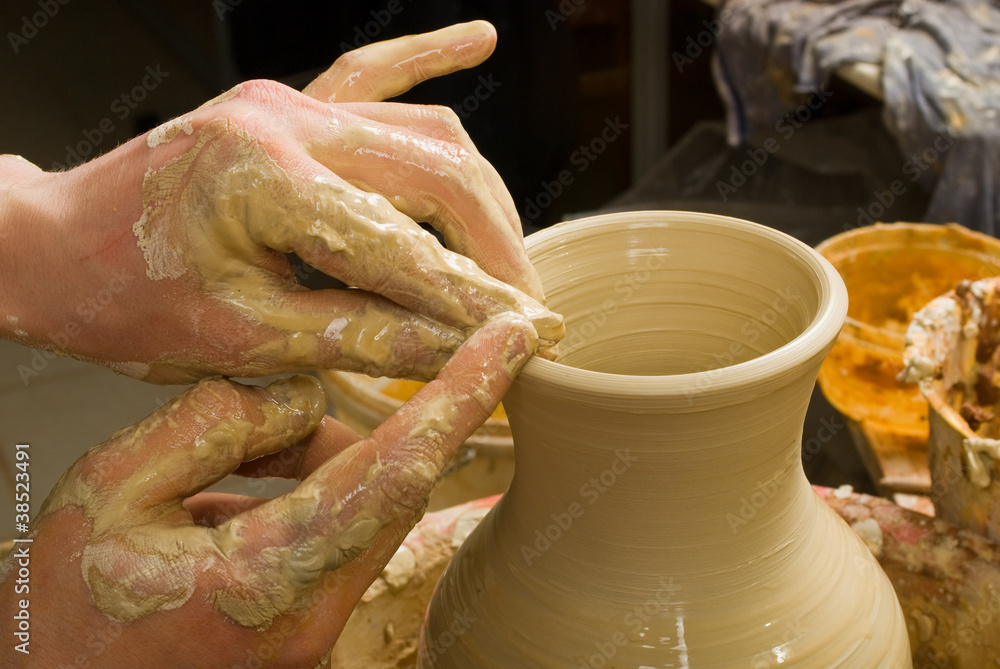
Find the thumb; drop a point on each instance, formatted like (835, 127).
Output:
(357, 507)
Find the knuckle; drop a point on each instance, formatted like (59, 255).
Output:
(217, 398)
(136, 574)
(454, 131)
(259, 106)
(405, 485)
(266, 92)
(349, 61)
(216, 387)
(460, 144)
(448, 118)
(342, 83)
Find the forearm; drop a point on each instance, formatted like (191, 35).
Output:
(33, 206)
(18, 180)
(166, 258)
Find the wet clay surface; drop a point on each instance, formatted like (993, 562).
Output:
(669, 485)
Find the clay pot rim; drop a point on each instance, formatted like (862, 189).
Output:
(781, 364)
(857, 239)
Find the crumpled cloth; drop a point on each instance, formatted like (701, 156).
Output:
(940, 69)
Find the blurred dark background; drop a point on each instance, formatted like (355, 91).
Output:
(563, 71)
(615, 97)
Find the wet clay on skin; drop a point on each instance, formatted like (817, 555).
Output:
(143, 554)
(137, 564)
(238, 204)
(138, 560)
(277, 581)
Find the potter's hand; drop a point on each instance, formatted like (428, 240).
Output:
(169, 253)
(124, 575)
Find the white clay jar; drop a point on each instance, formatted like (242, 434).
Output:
(659, 515)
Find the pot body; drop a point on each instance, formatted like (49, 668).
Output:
(659, 515)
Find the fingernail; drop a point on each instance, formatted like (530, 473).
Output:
(521, 342)
(300, 393)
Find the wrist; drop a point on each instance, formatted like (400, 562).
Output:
(32, 206)
(16, 176)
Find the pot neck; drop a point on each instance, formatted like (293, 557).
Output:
(701, 487)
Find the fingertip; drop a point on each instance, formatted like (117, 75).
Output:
(471, 42)
(549, 352)
(522, 341)
(550, 326)
(487, 31)
(301, 394)
(512, 336)
(297, 406)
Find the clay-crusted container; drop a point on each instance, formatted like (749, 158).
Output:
(659, 514)
(953, 354)
(891, 271)
(483, 466)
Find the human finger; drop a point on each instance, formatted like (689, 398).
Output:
(209, 509)
(441, 123)
(386, 69)
(345, 329)
(434, 173)
(300, 460)
(364, 241)
(193, 442)
(382, 483)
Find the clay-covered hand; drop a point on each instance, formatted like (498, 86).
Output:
(132, 567)
(167, 258)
